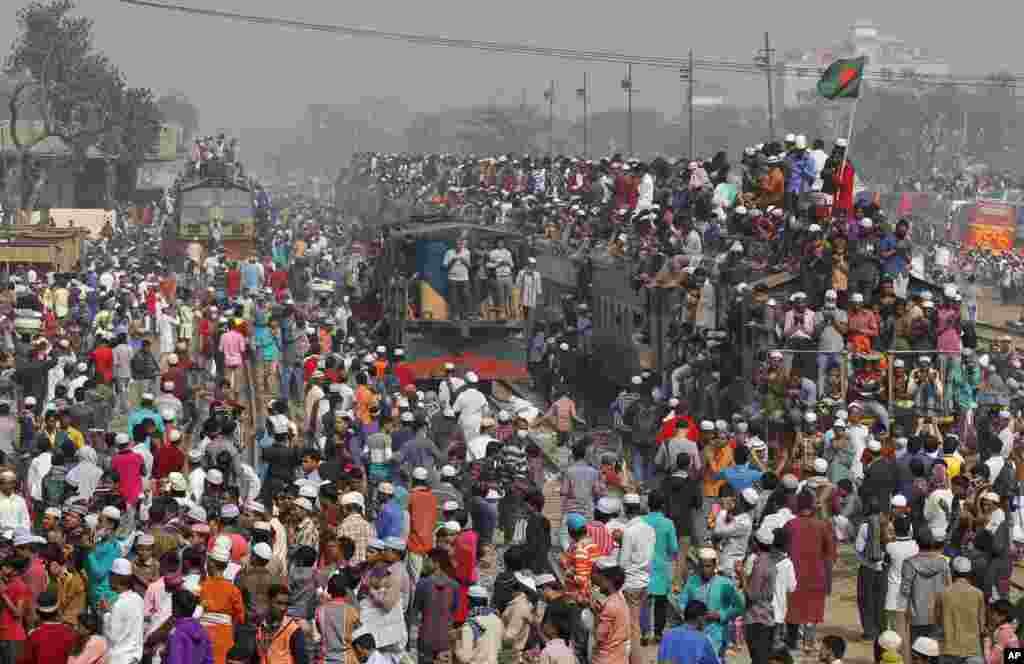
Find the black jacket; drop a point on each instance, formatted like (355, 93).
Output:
(683, 496)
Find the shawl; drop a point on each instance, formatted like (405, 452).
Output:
(86, 473)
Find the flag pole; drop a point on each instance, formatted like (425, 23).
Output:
(853, 116)
(849, 134)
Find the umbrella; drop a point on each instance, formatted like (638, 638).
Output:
(487, 368)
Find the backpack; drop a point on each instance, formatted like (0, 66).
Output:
(645, 419)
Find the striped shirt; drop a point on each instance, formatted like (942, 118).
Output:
(578, 562)
(601, 537)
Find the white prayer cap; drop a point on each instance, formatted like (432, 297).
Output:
(926, 646)
(889, 640)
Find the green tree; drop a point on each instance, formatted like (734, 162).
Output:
(80, 97)
(136, 125)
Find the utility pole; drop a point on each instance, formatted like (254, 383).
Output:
(687, 74)
(582, 93)
(627, 86)
(549, 95)
(765, 58)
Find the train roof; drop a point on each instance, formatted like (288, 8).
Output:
(447, 225)
(213, 183)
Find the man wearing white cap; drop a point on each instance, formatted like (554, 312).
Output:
(446, 489)
(960, 609)
(146, 410)
(469, 405)
(897, 552)
(223, 606)
(841, 172)
(719, 593)
(450, 387)
(354, 525)
(124, 625)
(635, 556)
(480, 637)
(831, 325)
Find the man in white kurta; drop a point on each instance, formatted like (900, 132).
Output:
(469, 406)
(13, 508)
(124, 624)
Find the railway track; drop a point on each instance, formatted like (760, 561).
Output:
(253, 406)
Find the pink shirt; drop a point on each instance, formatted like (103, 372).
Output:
(612, 631)
(128, 466)
(232, 344)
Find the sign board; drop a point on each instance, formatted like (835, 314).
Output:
(991, 225)
(28, 132)
(92, 220)
(157, 175)
(165, 147)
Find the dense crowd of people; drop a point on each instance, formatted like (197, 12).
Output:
(366, 515)
(876, 417)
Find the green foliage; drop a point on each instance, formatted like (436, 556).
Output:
(78, 92)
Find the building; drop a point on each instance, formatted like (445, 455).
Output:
(889, 57)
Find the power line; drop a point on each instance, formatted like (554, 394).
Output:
(1011, 81)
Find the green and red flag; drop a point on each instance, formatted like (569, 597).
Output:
(842, 78)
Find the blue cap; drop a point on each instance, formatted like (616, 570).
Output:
(576, 521)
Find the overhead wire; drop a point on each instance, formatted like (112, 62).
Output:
(1011, 81)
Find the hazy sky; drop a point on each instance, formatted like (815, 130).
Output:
(243, 75)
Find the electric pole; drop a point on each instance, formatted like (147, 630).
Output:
(582, 93)
(549, 95)
(687, 74)
(627, 86)
(765, 58)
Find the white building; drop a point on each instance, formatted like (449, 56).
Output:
(888, 56)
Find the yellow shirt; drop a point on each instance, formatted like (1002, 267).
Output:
(953, 463)
(76, 437)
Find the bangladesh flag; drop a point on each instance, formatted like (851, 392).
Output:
(842, 79)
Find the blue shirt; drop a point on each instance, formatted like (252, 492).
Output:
(251, 276)
(895, 264)
(685, 645)
(739, 477)
(140, 414)
(391, 520)
(97, 569)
